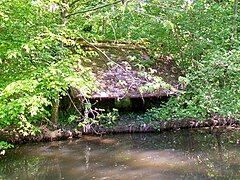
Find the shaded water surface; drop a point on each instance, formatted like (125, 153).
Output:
(187, 154)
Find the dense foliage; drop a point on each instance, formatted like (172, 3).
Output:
(212, 91)
(40, 58)
(208, 52)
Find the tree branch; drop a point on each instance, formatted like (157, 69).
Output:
(74, 2)
(93, 9)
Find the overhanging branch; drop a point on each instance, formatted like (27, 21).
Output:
(74, 2)
(93, 9)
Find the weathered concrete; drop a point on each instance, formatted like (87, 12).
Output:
(121, 70)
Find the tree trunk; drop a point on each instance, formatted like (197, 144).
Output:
(55, 109)
(55, 102)
(234, 19)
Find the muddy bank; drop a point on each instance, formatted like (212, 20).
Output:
(133, 124)
(125, 124)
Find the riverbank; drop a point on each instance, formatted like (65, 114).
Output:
(125, 124)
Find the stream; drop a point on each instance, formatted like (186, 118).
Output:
(184, 154)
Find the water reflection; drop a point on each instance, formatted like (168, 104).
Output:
(170, 155)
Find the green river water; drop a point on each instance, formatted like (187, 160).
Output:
(185, 154)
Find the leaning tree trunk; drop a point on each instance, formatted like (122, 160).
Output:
(55, 101)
